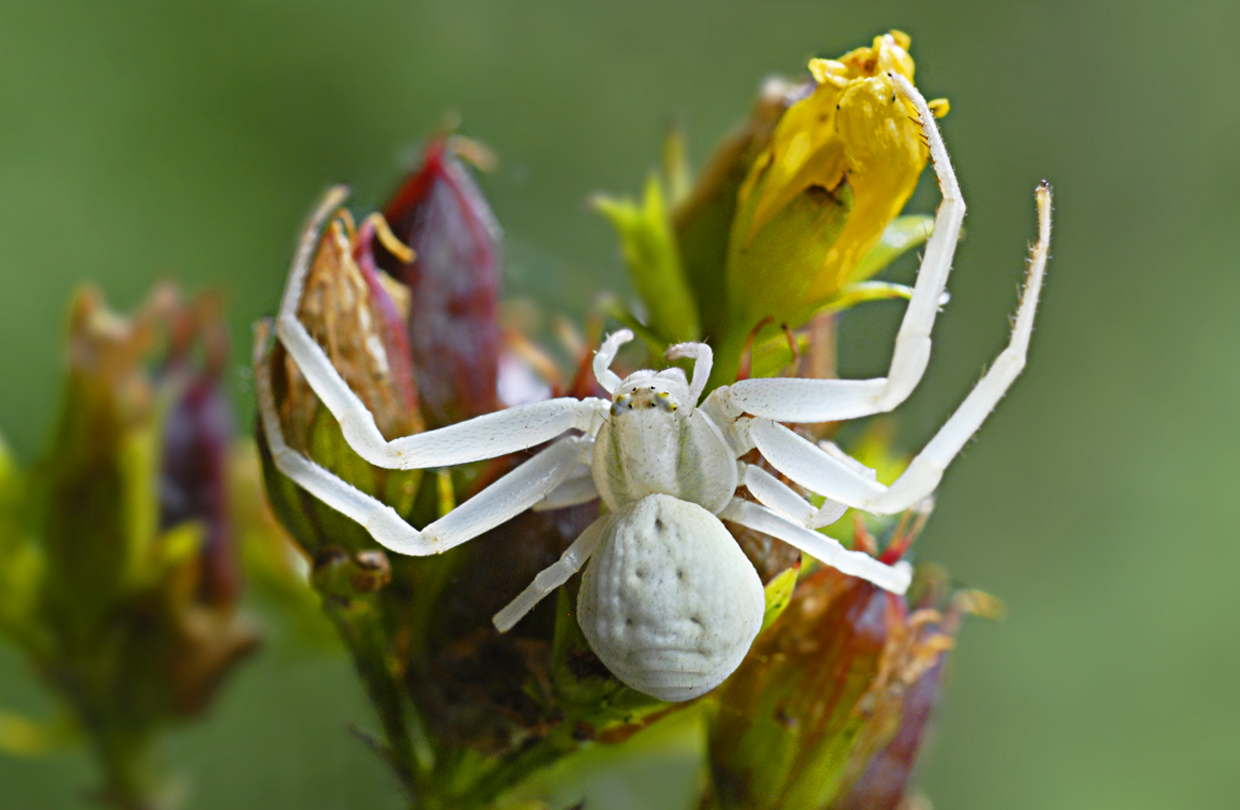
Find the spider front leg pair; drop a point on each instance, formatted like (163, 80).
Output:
(753, 408)
(485, 437)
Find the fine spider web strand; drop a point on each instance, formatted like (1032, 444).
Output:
(794, 399)
(813, 468)
(503, 500)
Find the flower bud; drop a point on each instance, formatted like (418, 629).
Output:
(196, 441)
(357, 314)
(133, 621)
(789, 218)
(841, 164)
(843, 681)
(100, 462)
(453, 277)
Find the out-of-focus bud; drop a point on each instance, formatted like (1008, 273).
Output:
(100, 460)
(197, 437)
(831, 703)
(454, 279)
(133, 618)
(357, 314)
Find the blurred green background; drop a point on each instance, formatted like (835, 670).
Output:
(145, 140)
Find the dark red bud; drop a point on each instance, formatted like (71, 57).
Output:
(454, 278)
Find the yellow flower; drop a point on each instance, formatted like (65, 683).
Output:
(839, 167)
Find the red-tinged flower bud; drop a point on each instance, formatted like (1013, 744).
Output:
(454, 279)
(837, 687)
(883, 784)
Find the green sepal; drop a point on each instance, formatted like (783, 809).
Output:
(769, 275)
(654, 263)
(95, 507)
(655, 344)
(317, 526)
(902, 235)
(771, 354)
(676, 167)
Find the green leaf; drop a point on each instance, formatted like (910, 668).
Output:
(902, 235)
(779, 595)
(654, 263)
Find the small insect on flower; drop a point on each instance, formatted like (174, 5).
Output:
(668, 602)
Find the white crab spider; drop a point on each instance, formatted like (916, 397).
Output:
(669, 603)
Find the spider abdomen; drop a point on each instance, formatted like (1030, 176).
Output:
(668, 602)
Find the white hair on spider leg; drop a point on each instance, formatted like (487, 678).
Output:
(667, 601)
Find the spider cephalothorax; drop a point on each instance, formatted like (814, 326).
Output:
(668, 602)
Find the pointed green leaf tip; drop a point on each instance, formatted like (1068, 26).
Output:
(779, 595)
(654, 262)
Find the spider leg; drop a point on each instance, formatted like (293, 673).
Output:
(791, 399)
(553, 576)
(894, 578)
(815, 469)
(780, 497)
(578, 488)
(499, 502)
(487, 436)
(703, 358)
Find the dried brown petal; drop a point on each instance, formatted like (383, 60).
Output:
(350, 316)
